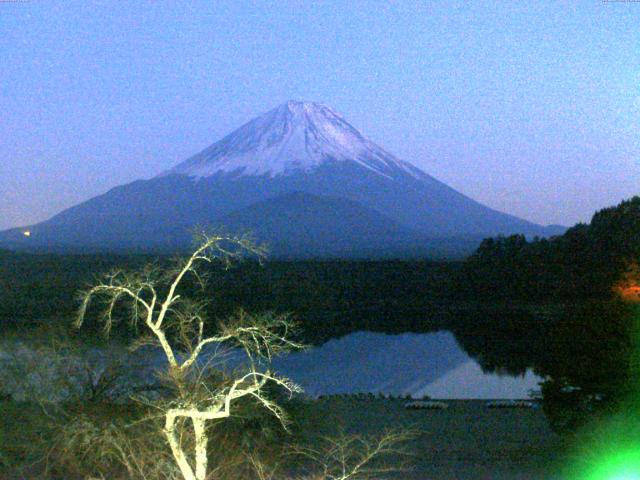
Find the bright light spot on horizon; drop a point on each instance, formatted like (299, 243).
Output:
(27, 233)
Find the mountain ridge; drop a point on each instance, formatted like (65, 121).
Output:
(296, 147)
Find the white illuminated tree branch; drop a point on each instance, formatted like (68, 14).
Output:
(153, 298)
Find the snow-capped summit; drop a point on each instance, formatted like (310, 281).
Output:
(295, 136)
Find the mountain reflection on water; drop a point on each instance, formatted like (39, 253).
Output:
(416, 364)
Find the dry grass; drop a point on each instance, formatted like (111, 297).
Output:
(467, 441)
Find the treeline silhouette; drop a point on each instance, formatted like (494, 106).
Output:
(565, 306)
(328, 298)
(584, 262)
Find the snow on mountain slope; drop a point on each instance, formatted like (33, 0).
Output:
(295, 136)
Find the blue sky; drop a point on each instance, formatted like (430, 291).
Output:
(531, 107)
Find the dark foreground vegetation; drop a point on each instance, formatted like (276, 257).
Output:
(465, 441)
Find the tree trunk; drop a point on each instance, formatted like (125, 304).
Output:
(176, 448)
(201, 447)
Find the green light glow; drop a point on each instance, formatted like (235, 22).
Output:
(612, 449)
(609, 448)
(624, 465)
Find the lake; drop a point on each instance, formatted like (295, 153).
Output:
(418, 365)
(413, 364)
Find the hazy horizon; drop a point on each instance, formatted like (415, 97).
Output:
(530, 108)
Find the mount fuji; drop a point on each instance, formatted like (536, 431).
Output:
(302, 179)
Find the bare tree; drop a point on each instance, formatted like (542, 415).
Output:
(176, 324)
(344, 457)
(357, 457)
